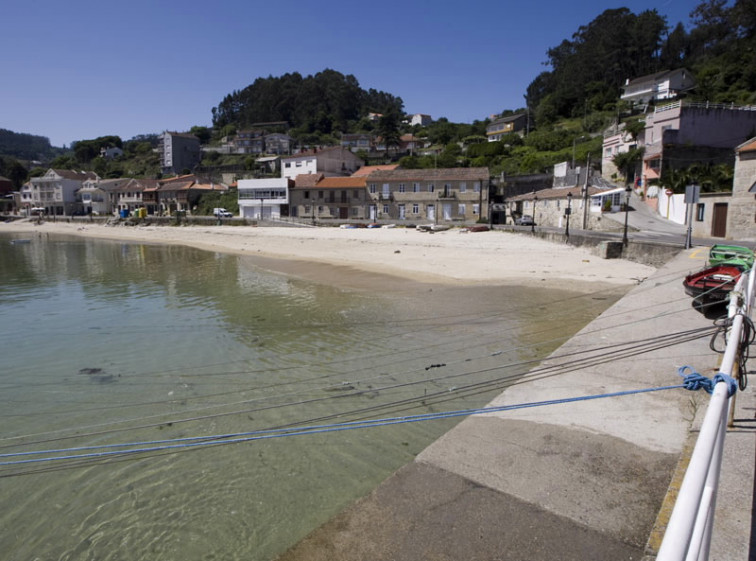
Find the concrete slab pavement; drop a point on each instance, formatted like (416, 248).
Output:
(575, 481)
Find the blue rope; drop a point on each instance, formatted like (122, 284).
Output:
(695, 381)
(232, 438)
(692, 381)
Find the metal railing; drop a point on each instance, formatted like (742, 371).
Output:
(688, 534)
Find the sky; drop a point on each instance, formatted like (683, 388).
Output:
(81, 69)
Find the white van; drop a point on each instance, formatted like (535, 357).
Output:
(222, 213)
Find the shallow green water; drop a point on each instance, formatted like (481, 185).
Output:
(107, 342)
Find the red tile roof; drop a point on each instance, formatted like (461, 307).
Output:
(748, 146)
(341, 183)
(367, 170)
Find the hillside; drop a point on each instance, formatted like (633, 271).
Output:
(568, 105)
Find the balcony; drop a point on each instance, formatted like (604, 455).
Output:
(446, 195)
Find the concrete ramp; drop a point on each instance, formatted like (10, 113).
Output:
(576, 481)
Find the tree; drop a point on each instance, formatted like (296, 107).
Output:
(627, 162)
(203, 133)
(388, 129)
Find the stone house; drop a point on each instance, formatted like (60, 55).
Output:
(343, 198)
(177, 194)
(741, 217)
(548, 207)
(433, 195)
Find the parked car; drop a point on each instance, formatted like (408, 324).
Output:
(222, 213)
(525, 220)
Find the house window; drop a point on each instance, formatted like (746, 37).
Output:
(415, 208)
(306, 194)
(356, 195)
(476, 209)
(431, 187)
(476, 186)
(307, 209)
(355, 211)
(402, 188)
(416, 187)
(372, 188)
(287, 164)
(462, 209)
(463, 187)
(320, 194)
(385, 209)
(299, 164)
(700, 212)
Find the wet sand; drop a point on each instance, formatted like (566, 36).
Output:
(359, 258)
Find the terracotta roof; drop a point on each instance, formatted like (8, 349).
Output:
(307, 179)
(747, 146)
(341, 183)
(189, 177)
(437, 174)
(367, 170)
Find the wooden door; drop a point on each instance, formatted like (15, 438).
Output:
(719, 220)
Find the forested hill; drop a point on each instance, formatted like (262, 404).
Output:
(25, 146)
(326, 102)
(589, 70)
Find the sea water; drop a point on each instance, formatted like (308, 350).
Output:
(106, 343)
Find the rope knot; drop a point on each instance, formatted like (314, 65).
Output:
(695, 381)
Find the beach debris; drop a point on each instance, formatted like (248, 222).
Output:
(98, 375)
(435, 366)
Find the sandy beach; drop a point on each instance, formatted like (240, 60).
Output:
(450, 257)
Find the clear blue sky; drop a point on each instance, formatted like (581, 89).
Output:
(82, 69)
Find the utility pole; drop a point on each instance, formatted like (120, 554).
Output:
(585, 193)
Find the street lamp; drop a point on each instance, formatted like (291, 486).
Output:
(628, 190)
(567, 213)
(532, 224)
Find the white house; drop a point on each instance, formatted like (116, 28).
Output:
(666, 84)
(56, 191)
(331, 162)
(97, 195)
(420, 119)
(263, 199)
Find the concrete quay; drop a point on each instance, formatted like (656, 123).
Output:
(578, 481)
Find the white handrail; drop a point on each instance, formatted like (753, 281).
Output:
(688, 533)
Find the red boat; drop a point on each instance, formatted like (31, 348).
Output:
(712, 283)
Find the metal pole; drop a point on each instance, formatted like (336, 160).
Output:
(689, 234)
(627, 208)
(585, 193)
(532, 224)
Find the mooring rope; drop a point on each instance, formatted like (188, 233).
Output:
(692, 381)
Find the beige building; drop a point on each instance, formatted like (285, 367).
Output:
(328, 198)
(431, 195)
